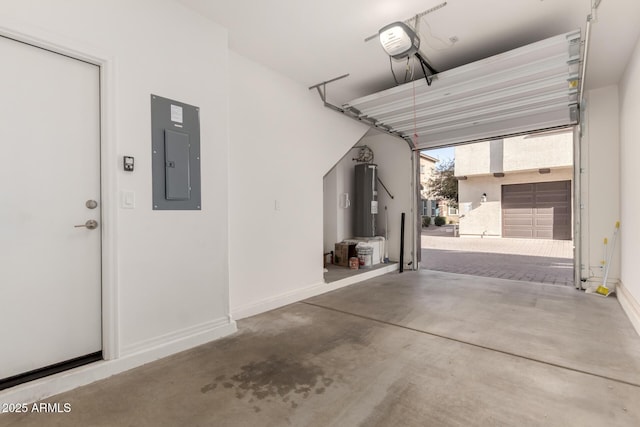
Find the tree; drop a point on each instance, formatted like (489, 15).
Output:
(443, 184)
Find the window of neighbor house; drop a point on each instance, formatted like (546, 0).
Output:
(452, 210)
(425, 207)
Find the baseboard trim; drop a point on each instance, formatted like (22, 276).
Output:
(137, 355)
(190, 333)
(629, 304)
(290, 297)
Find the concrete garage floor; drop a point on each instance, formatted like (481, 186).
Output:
(411, 349)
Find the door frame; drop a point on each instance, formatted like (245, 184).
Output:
(577, 206)
(108, 166)
(416, 210)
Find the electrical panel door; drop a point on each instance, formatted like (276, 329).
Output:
(175, 140)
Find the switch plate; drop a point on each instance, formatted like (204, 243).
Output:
(127, 199)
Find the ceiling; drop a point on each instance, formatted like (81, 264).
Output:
(311, 41)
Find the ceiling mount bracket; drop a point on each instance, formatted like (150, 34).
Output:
(425, 65)
(408, 21)
(322, 87)
(354, 114)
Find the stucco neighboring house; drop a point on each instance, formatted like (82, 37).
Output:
(517, 187)
(427, 169)
(431, 207)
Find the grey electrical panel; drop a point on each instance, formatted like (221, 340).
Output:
(175, 164)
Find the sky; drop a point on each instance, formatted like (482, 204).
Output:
(441, 153)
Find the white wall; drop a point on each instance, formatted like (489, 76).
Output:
(283, 142)
(600, 183)
(338, 218)
(330, 208)
(473, 159)
(535, 152)
(518, 153)
(629, 91)
(172, 265)
(167, 280)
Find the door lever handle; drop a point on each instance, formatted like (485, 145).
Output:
(90, 224)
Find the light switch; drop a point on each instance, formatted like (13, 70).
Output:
(128, 199)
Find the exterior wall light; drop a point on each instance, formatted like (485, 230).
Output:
(483, 198)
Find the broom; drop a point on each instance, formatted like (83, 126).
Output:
(603, 289)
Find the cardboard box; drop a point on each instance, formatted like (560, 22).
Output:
(377, 243)
(342, 253)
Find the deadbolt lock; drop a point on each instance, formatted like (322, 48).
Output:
(91, 204)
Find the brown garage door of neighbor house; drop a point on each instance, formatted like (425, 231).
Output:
(540, 210)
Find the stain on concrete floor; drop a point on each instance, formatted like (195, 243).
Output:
(274, 378)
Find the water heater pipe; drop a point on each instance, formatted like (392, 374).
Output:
(384, 186)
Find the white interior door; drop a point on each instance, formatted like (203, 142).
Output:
(50, 304)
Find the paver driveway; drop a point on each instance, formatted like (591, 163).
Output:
(532, 260)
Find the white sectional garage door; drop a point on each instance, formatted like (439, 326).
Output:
(528, 89)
